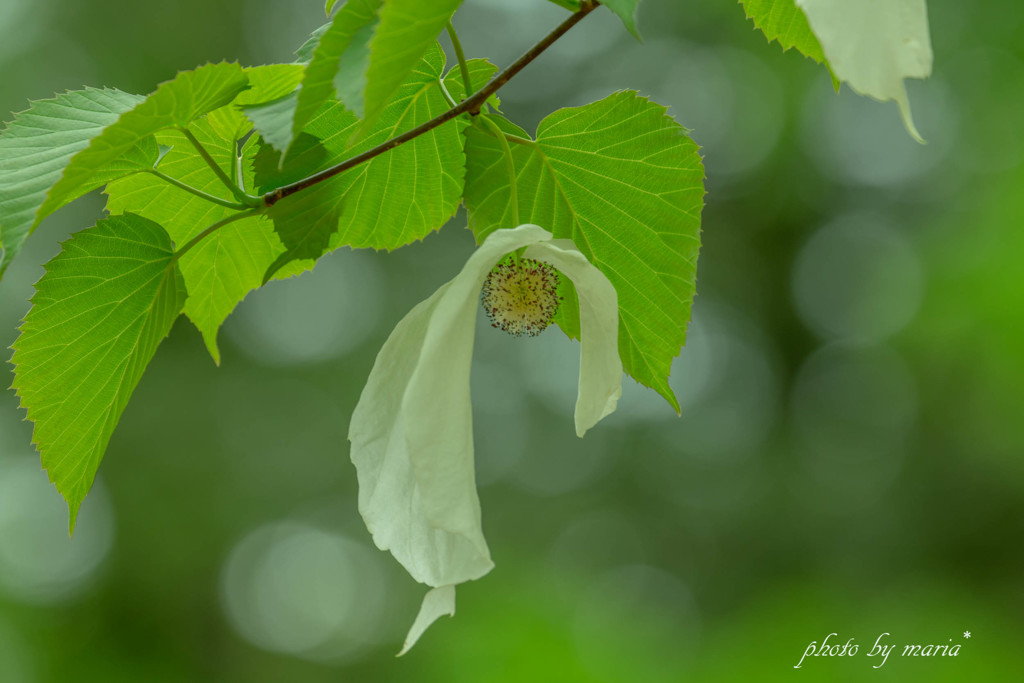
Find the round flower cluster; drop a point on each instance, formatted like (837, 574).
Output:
(521, 296)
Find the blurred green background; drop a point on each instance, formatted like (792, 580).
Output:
(849, 457)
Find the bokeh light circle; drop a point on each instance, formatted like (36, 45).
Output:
(860, 141)
(858, 278)
(296, 589)
(313, 317)
(853, 409)
(39, 564)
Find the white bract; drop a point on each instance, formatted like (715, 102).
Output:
(874, 44)
(412, 433)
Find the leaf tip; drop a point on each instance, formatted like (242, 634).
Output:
(72, 517)
(670, 396)
(210, 339)
(274, 267)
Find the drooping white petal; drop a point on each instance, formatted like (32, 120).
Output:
(412, 431)
(436, 603)
(600, 385)
(874, 44)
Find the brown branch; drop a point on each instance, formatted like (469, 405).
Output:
(471, 105)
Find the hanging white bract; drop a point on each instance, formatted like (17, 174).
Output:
(874, 45)
(412, 433)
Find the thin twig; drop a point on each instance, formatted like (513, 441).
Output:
(471, 105)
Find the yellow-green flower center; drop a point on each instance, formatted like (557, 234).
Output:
(521, 297)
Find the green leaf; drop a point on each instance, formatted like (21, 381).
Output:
(35, 148)
(329, 6)
(221, 270)
(622, 180)
(350, 79)
(395, 198)
(337, 67)
(481, 72)
(308, 154)
(783, 21)
(229, 264)
(571, 5)
(339, 62)
(274, 120)
(175, 103)
(407, 30)
(98, 315)
(305, 51)
(266, 83)
(305, 228)
(626, 9)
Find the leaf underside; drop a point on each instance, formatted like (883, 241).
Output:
(37, 146)
(98, 315)
(622, 180)
(341, 58)
(225, 267)
(407, 30)
(175, 103)
(394, 199)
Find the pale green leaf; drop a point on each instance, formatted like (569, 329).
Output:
(622, 180)
(626, 9)
(874, 45)
(98, 315)
(226, 266)
(305, 51)
(339, 62)
(266, 83)
(274, 120)
(406, 31)
(350, 79)
(222, 269)
(337, 67)
(400, 196)
(175, 103)
(36, 147)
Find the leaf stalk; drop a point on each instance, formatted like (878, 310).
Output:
(212, 229)
(245, 199)
(461, 56)
(510, 164)
(226, 203)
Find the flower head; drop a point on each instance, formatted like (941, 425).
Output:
(412, 433)
(520, 296)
